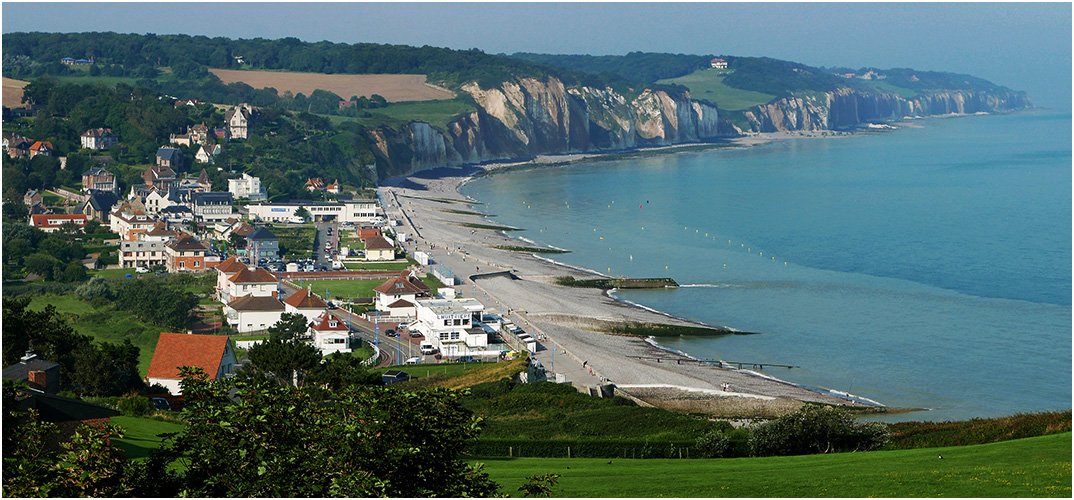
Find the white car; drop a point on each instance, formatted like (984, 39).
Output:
(141, 270)
(413, 361)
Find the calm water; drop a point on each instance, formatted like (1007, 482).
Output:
(925, 267)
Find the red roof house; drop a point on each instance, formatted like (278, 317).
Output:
(50, 223)
(212, 353)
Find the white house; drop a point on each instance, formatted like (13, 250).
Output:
(398, 295)
(207, 153)
(224, 271)
(718, 63)
(330, 334)
(257, 282)
(99, 138)
(448, 324)
(212, 353)
(250, 313)
(305, 303)
(379, 248)
(246, 187)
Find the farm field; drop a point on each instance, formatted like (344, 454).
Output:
(437, 113)
(1033, 467)
(13, 92)
(708, 84)
(394, 88)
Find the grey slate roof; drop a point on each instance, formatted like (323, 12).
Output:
(103, 201)
(262, 234)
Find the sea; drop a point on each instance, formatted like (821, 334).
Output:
(923, 267)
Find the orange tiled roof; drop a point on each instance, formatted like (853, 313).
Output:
(231, 265)
(258, 275)
(178, 349)
(303, 299)
(323, 323)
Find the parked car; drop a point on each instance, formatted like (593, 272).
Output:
(161, 404)
(391, 333)
(141, 270)
(413, 361)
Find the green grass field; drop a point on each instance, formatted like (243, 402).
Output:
(430, 369)
(343, 289)
(437, 113)
(708, 84)
(887, 87)
(1034, 467)
(377, 266)
(105, 325)
(141, 434)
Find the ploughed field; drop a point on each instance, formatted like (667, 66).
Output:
(394, 88)
(13, 92)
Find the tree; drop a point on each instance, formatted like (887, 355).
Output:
(341, 369)
(366, 441)
(289, 327)
(86, 465)
(815, 429)
(74, 272)
(285, 361)
(302, 212)
(50, 336)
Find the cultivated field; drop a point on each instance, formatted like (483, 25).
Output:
(708, 84)
(13, 92)
(394, 88)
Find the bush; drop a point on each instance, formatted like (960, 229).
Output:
(815, 429)
(713, 444)
(95, 288)
(134, 405)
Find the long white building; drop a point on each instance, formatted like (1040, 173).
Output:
(448, 324)
(356, 211)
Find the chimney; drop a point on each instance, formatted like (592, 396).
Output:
(37, 379)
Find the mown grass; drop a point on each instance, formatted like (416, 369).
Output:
(343, 289)
(1033, 467)
(377, 266)
(905, 93)
(707, 84)
(140, 434)
(295, 241)
(461, 375)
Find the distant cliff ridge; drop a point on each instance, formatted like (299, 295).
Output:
(530, 116)
(847, 107)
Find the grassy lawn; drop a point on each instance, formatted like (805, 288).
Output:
(112, 273)
(108, 81)
(1034, 467)
(51, 199)
(105, 325)
(708, 84)
(377, 266)
(343, 289)
(141, 434)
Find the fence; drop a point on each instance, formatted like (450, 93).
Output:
(583, 449)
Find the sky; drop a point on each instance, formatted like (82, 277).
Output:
(1024, 46)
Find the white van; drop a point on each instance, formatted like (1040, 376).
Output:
(427, 348)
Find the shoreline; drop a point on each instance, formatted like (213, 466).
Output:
(564, 317)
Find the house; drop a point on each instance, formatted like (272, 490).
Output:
(40, 374)
(221, 133)
(179, 139)
(51, 223)
(41, 148)
(176, 214)
(224, 271)
(161, 177)
(239, 227)
(207, 153)
(99, 205)
(18, 146)
(262, 244)
(186, 253)
(398, 295)
(170, 157)
(238, 120)
(330, 334)
(305, 303)
(99, 179)
(142, 253)
(718, 63)
(127, 220)
(251, 313)
(212, 206)
(315, 184)
(256, 282)
(199, 133)
(379, 248)
(335, 187)
(246, 187)
(186, 102)
(99, 138)
(448, 324)
(212, 353)
(32, 197)
(199, 184)
(367, 232)
(67, 414)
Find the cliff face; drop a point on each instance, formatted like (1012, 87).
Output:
(847, 107)
(528, 116)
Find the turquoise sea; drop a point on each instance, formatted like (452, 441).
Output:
(926, 267)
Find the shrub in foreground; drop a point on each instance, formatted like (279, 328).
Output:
(816, 429)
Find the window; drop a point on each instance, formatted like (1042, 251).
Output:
(443, 335)
(458, 322)
(454, 335)
(447, 322)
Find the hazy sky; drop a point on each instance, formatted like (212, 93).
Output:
(1025, 46)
